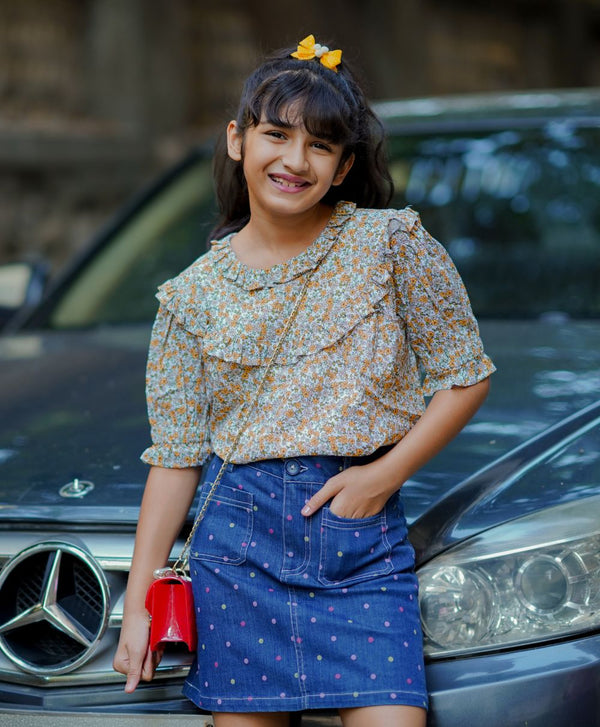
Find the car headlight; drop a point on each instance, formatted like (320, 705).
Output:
(533, 579)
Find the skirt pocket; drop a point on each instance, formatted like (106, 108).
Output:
(226, 529)
(353, 550)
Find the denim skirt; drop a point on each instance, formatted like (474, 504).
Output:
(301, 613)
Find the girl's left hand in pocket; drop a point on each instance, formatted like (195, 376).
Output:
(358, 492)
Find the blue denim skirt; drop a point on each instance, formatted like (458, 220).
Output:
(301, 613)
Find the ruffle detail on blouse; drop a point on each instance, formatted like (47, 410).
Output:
(328, 314)
(426, 262)
(183, 298)
(230, 267)
(435, 306)
(405, 219)
(401, 226)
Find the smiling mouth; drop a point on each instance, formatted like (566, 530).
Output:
(290, 183)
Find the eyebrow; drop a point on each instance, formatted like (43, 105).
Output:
(280, 123)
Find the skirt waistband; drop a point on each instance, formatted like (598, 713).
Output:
(302, 466)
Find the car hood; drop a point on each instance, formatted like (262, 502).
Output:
(73, 408)
(547, 370)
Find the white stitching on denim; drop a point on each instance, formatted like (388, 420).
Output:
(328, 524)
(287, 573)
(308, 695)
(246, 505)
(297, 644)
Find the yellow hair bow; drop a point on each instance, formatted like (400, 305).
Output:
(308, 49)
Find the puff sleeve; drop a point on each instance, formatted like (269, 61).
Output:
(176, 395)
(440, 326)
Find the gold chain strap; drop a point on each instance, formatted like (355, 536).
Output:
(182, 563)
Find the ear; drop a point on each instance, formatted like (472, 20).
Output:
(234, 142)
(343, 170)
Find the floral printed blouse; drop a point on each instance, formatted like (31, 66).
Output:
(385, 321)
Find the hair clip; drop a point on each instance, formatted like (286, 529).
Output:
(308, 49)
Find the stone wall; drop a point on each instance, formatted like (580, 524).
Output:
(97, 96)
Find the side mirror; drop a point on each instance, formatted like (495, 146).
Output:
(21, 286)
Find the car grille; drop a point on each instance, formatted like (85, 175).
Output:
(53, 607)
(61, 608)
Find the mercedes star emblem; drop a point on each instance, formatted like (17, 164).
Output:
(53, 607)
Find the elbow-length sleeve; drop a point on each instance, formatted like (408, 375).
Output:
(440, 326)
(176, 394)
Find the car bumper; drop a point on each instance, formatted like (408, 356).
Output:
(556, 685)
(36, 718)
(19, 718)
(157, 704)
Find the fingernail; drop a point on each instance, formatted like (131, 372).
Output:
(306, 510)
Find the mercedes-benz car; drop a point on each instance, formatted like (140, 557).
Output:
(505, 522)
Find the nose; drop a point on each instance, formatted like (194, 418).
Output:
(294, 156)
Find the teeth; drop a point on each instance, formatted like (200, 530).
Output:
(287, 183)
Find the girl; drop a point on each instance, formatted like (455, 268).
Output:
(303, 576)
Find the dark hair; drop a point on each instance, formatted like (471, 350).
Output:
(332, 106)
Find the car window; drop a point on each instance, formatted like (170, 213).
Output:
(169, 233)
(517, 209)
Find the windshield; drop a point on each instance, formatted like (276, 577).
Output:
(518, 210)
(119, 283)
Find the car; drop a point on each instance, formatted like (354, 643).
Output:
(505, 522)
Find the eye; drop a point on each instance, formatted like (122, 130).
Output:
(322, 146)
(275, 133)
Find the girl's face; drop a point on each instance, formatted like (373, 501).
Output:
(288, 171)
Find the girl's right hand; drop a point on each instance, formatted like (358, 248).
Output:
(133, 657)
(167, 498)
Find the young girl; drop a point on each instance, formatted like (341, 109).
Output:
(303, 576)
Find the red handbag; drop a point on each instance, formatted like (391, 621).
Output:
(170, 603)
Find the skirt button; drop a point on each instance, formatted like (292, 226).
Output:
(292, 467)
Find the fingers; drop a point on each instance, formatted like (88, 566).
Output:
(135, 659)
(151, 661)
(354, 493)
(118, 664)
(139, 667)
(130, 665)
(329, 490)
(133, 678)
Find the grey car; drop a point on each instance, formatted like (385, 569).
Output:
(505, 522)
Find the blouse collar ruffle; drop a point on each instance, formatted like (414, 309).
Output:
(230, 267)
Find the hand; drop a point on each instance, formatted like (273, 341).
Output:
(358, 492)
(134, 656)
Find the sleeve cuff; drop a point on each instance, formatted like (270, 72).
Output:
(472, 372)
(175, 456)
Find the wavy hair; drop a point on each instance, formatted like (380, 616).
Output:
(332, 106)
